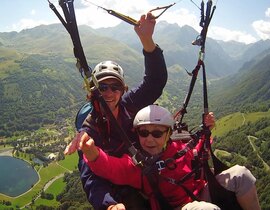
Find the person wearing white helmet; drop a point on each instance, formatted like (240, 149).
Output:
(158, 122)
(124, 104)
(154, 125)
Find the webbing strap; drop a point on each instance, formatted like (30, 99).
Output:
(220, 196)
(71, 26)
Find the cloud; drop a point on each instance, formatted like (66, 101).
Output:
(185, 17)
(96, 17)
(267, 12)
(26, 24)
(90, 13)
(224, 34)
(262, 27)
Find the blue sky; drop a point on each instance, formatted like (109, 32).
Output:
(240, 20)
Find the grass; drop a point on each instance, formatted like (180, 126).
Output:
(236, 120)
(70, 162)
(56, 188)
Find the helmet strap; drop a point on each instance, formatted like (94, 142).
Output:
(168, 134)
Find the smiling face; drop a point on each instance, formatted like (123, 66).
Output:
(153, 138)
(112, 90)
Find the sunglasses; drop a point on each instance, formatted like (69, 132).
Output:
(114, 87)
(155, 133)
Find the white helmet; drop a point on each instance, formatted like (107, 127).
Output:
(153, 114)
(107, 70)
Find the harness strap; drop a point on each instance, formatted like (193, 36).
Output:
(181, 182)
(220, 196)
(71, 26)
(153, 181)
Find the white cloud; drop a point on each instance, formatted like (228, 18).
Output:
(267, 12)
(262, 27)
(97, 17)
(185, 17)
(26, 24)
(224, 34)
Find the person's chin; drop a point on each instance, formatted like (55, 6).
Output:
(112, 106)
(151, 151)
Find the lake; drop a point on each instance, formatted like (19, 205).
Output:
(16, 177)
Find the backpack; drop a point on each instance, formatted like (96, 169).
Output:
(82, 114)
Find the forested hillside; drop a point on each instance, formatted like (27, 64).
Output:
(33, 92)
(246, 91)
(247, 145)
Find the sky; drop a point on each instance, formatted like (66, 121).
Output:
(244, 21)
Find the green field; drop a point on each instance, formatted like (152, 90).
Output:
(55, 189)
(236, 120)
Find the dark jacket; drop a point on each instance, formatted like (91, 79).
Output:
(100, 192)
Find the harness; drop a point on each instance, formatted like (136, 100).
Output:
(149, 164)
(220, 196)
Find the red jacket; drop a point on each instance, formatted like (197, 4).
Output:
(122, 171)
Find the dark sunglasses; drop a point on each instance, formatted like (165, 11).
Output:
(114, 87)
(155, 133)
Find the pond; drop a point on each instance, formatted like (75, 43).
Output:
(16, 177)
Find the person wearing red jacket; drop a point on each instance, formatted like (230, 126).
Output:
(153, 125)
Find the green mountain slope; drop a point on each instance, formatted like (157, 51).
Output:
(34, 92)
(39, 83)
(248, 90)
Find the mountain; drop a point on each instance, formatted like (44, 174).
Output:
(39, 82)
(222, 58)
(176, 43)
(249, 89)
(233, 48)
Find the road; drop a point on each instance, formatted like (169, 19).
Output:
(254, 147)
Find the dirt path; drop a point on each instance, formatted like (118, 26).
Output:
(49, 183)
(6, 152)
(255, 150)
(254, 147)
(244, 119)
